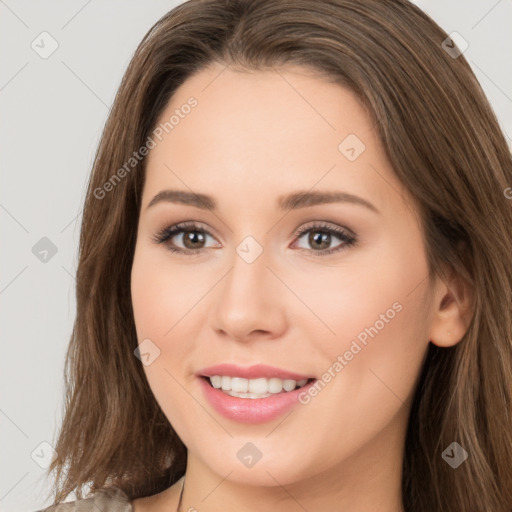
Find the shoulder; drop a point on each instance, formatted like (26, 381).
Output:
(103, 500)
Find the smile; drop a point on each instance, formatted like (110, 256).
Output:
(254, 388)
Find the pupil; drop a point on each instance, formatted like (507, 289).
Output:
(193, 237)
(323, 237)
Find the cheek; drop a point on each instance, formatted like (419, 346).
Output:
(161, 293)
(374, 293)
(373, 332)
(376, 339)
(164, 301)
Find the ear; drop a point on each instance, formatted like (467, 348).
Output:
(453, 305)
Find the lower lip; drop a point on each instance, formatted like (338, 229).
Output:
(251, 410)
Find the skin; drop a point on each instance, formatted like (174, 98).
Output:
(252, 138)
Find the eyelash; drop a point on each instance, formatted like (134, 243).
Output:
(167, 233)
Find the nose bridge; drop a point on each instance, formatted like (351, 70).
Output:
(249, 275)
(248, 299)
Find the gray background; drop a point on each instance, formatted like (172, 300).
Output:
(53, 112)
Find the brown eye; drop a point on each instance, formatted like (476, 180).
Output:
(321, 236)
(319, 240)
(192, 238)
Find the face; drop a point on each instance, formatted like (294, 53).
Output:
(334, 290)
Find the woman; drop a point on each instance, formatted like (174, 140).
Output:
(220, 358)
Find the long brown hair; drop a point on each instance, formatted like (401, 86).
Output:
(443, 141)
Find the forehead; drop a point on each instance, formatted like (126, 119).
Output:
(264, 108)
(266, 133)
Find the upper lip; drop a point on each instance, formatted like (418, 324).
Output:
(251, 372)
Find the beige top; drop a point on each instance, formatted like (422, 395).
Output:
(103, 500)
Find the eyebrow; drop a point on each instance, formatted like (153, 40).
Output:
(294, 201)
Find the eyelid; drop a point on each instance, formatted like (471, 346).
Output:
(323, 224)
(172, 229)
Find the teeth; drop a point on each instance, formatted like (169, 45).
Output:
(239, 385)
(254, 388)
(226, 383)
(216, 381)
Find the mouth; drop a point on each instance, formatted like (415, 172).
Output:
(253, 400)
(261, 387)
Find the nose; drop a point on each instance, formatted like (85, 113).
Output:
(250, 301)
